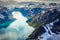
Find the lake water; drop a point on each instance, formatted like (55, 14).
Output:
(19, 29)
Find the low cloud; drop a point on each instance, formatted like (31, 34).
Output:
(26, 0)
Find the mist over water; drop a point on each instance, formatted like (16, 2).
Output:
(19, 29)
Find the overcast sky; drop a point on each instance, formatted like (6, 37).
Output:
(27, 0)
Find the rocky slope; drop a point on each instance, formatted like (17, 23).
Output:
(43, 18)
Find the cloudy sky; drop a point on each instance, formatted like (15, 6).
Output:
(27, 0)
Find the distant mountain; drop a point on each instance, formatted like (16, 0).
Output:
(43, 18)
(38, 15)
(5, 17)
